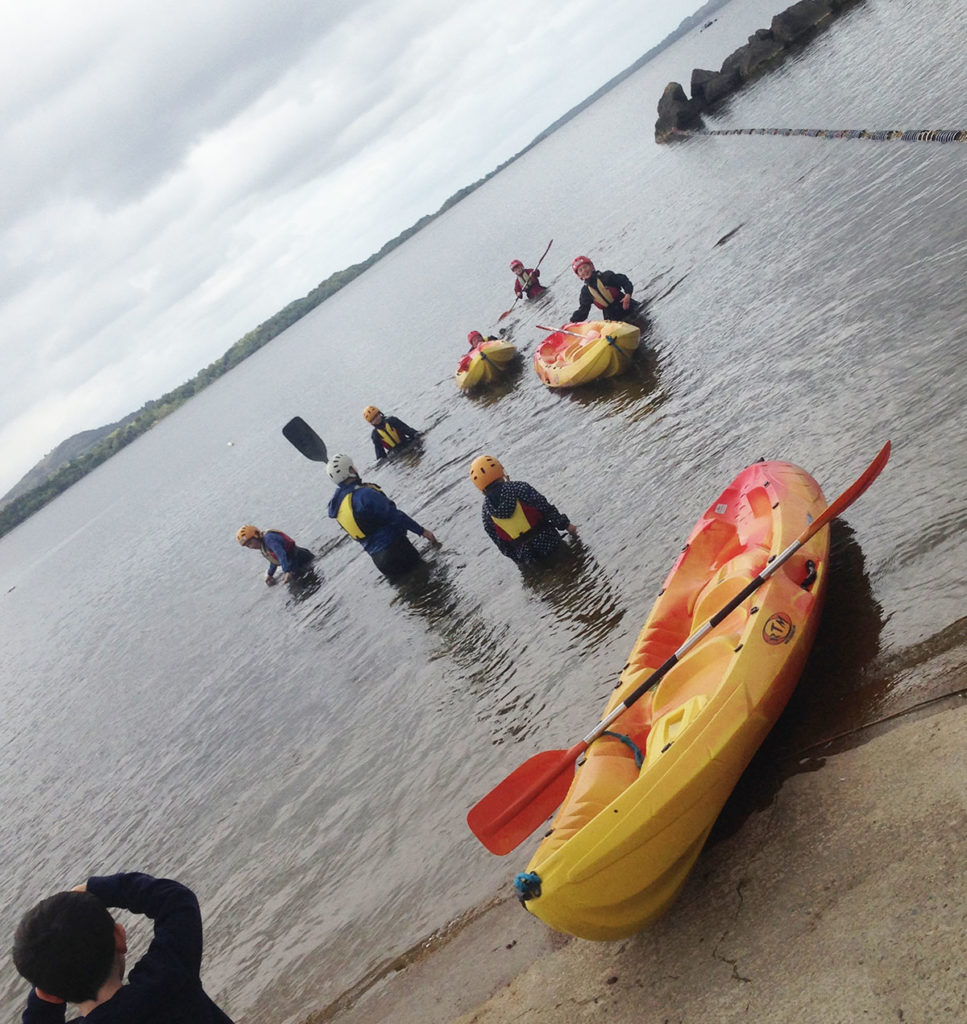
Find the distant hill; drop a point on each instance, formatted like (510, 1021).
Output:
(72, 448)
(78, 455)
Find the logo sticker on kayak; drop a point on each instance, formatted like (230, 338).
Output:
(778, 630)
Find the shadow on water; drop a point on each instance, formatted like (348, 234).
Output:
(575, 588)
(482, 654)
(830, 697)
(304, 585)
(624, 393)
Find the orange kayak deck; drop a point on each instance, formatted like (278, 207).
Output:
(626, 836)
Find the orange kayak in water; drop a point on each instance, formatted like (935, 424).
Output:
(583, 352)
(642, 804)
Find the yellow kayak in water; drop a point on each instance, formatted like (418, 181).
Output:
(583, 352)
(485, 363)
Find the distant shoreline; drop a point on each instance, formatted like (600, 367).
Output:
(74, 458)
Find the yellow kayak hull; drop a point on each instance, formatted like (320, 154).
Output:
(603, 349)
(624, 840)
(485, 364)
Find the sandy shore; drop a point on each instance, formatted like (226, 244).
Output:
(845, 900)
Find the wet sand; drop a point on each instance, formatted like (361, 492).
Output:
(844, 900)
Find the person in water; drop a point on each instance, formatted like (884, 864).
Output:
(71, 950)
(279, 549)
(527, 282)
(523, 524)
(388, 431)
(367, 515)
(609, 291)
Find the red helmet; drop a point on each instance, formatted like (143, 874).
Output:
(514, 264)
(581, 261)
(474, 336)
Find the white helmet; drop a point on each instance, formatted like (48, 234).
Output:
(340, 469)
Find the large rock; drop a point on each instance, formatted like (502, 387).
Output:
(766, 48)
(801, 18)
(752, 57)
(675, 111)
(711, 86)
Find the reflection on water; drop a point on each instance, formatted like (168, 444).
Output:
(305, 585)
(585, 606)
(508, 382)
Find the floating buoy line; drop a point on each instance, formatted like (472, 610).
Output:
(876, 135)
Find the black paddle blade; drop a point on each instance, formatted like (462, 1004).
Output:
(297, 432)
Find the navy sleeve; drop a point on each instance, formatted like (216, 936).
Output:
(618, 280)
(174, 957)
(378, 444)
(405, 431)
(39, 1011)
(581, 313)
(372, 510)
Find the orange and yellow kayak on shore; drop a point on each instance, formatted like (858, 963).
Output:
(583, 352)
(642, 804)
(485, 363)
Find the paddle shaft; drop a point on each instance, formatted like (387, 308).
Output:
(507, 312)
(559, 762)
(827, 516)
(574, 334)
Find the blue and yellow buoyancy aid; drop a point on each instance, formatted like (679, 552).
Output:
(345, 516)
(389, 435)
(518, 525)
(602, 295)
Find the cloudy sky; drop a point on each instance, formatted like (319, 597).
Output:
(174, 172)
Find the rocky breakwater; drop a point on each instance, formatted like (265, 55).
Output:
(765, 49)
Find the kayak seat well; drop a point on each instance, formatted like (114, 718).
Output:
(698, 674)
(731, 578)
(608, 770)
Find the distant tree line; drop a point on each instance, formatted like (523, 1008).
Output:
(135, 424)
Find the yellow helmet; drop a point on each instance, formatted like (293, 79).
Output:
(371, 414)
(484, 470)
(246, 533)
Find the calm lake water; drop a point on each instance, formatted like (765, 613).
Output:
(305, 758)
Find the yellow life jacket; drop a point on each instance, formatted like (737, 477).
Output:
(345, 516)
(390, 435)
(601, 294)
(522, 521)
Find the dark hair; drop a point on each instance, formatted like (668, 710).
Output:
(65, 945)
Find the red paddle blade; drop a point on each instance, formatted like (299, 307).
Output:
(514, 808)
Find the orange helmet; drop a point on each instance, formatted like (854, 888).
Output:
(484, 470)
(514, 264)
(371, 414)
(246, 533)
(581, 261)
